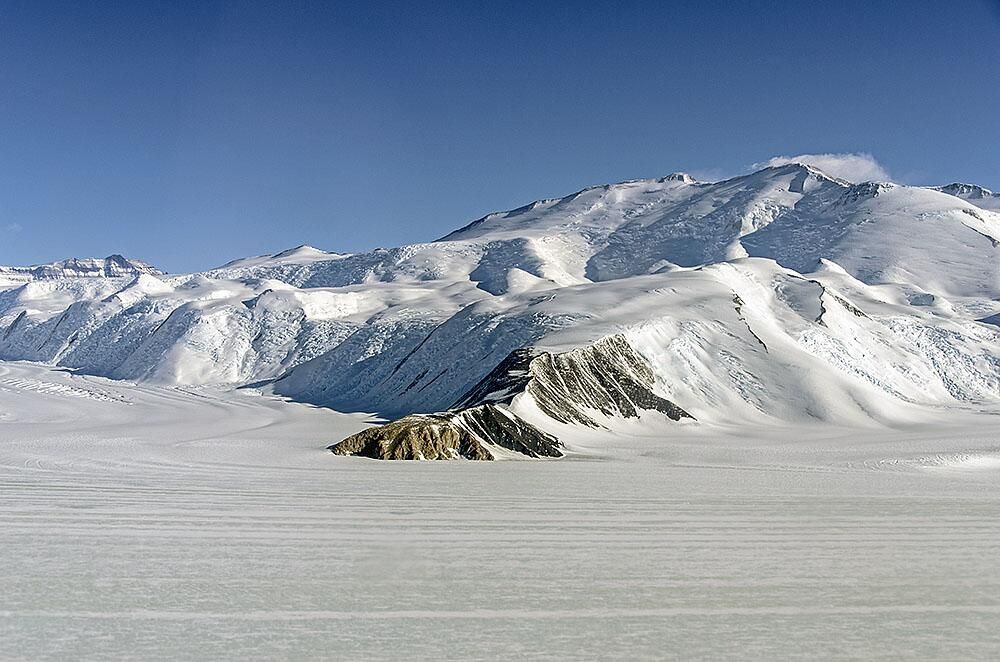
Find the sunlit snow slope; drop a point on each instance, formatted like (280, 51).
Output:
(778, 297)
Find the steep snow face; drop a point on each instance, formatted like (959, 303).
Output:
(113, 266)
(791, 213)
(883, 233)
(199, 330)
(781, 296)
(740, 341)
(709, 225)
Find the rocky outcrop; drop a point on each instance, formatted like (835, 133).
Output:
(607, 378)
(469, 434)
(415, 437)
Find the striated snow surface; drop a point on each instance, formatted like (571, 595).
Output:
(149, 522)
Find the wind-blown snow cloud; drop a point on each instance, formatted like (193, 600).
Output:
(854, 167)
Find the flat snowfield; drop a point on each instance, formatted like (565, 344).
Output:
(147, 523)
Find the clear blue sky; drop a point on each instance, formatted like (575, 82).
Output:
(188, 134)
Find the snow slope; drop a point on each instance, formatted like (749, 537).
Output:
(780, 297)
(148, 522)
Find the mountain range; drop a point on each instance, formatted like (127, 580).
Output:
(113, 266)
(782, 297)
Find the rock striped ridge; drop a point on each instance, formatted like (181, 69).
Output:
(113, 266)
(584, 386)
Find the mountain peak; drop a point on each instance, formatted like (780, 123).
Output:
(678, 177)
(302, 250)
(112, 266)
(302, 254)
(966, 191)
(797, 167)
(974, 194)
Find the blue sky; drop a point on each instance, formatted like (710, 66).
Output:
(188, 134)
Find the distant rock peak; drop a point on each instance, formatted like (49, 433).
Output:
(679, 177)
(113, 266)
(967, 191)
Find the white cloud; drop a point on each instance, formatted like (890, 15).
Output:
(13, 228)
(854, 167)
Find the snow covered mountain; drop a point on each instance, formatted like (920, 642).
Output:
(977, 195)
(113, 266)
(785, 296)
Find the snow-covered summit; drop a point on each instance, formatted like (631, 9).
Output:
(792, 213)
(298, 255)
(966, 191)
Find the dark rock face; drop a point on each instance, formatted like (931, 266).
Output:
(415, 437)
(608, 377)
(992, 319)
(498, 425)
(447, 436)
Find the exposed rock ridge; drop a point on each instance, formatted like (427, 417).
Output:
(607, 378)
(466, 433)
